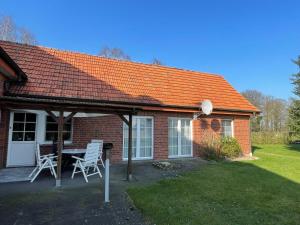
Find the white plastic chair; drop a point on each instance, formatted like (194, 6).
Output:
(100, 150)
(89, 161)
(43, 162)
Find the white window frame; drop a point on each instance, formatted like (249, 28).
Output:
(12, 114)
(179, 138)
(232, 126)
(45, 127)
(137, 139)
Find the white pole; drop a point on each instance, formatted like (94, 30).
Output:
(58, 183)
(106, 180)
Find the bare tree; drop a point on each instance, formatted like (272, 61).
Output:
(255, 97)
(26, 37)
(10, 32)
(274, 111)
(156, 61)
(114, 53)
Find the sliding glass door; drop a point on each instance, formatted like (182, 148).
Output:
(142, 138)
(180, 137)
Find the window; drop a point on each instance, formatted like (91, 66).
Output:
(24, 127)
(227, 128)
(142, 138)
(180, 137)
(52, 130)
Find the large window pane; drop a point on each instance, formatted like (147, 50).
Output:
(51, 136)
(17, 136)
(30, 117)
(125, 136)
(185, 137)
(18, 126)
(30, 127)
(52, 130)
(19, 117)
(51, 127)
(29, 136)
(173, 137)
(227, 128)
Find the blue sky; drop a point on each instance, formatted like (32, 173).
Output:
(249, 42)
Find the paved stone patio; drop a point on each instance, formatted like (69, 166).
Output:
(77, 202)
(8, 175)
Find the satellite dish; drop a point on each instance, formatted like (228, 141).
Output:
(207, 107)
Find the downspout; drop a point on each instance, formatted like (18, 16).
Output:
(250, 138)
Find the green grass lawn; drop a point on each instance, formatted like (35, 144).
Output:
(263, 191)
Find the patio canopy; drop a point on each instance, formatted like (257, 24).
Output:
(66, 110)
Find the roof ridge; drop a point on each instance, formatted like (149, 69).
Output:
(113, 59)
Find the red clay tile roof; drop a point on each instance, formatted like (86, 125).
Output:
(56, 73)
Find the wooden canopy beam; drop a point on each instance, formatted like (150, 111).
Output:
(50, 113)
(124, 119)
(70, 116)
(74, 107)
(55, 118)
(47, 108)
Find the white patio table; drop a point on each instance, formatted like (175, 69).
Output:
(74, 151)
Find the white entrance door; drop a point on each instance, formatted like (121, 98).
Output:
(22, 135)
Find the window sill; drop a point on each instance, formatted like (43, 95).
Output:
(138, 159)
(50, 143)
(180, 156)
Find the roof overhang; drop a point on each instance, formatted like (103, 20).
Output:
(88, 105)
(18, 76)
(69, 106)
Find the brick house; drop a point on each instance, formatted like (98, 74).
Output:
(104, 92)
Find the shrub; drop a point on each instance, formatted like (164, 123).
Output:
(230, 147)
(273, 137)
(213, 147)
(265, 137)
(210, 146)
(293, 138)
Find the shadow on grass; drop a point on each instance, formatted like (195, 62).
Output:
(255, 148)
(290, 147)
(223, 193)
(293, 147)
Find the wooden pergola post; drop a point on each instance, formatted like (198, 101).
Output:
(129, 165)
(129, 161)
(60, 120)
(59, 147)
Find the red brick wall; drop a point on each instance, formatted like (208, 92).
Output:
(241, 130)
(110, 129)
(4, 124)
(242, 133)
